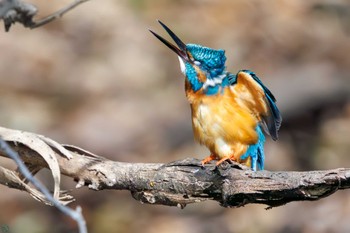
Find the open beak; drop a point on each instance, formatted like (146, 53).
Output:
(181, 51)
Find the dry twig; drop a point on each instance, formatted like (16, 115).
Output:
(12, 11)
(43, 193)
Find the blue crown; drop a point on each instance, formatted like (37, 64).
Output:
(210, 59)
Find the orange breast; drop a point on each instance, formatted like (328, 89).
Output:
(223, 123)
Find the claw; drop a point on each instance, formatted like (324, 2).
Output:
(224, 159)
(208, 159)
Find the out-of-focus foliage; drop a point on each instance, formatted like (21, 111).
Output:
(98, 79)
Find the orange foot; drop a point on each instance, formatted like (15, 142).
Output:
(208, 159)
(224, 159)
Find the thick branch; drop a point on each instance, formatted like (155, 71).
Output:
(185, 182)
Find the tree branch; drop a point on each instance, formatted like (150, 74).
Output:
(12, 11)
(11, 177)
(186, 181)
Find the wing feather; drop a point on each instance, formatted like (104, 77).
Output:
(263, 101)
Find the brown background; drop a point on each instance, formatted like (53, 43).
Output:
(98, 79)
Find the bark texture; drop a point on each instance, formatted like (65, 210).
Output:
(184, 182)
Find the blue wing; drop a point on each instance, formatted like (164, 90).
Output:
(272, 121)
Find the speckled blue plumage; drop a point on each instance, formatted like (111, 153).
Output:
(212, 60)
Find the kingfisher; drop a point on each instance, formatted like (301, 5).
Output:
(229, 111)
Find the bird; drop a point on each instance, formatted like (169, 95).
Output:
(231, 113)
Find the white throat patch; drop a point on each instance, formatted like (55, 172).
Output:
(213, 82)
(182, 66)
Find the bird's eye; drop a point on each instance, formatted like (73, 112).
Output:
(197, 63)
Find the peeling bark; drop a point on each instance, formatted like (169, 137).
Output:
(184, 182)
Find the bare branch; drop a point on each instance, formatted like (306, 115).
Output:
(185, 182)
(7, 150)
(13, 180)
(12, 11)
(57, 14)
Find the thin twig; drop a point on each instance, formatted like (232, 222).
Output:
(74, 214)
(12, 11)
(57, 14)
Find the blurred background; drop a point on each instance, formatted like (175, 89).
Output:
(98, 79)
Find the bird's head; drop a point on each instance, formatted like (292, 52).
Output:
(201, 65)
